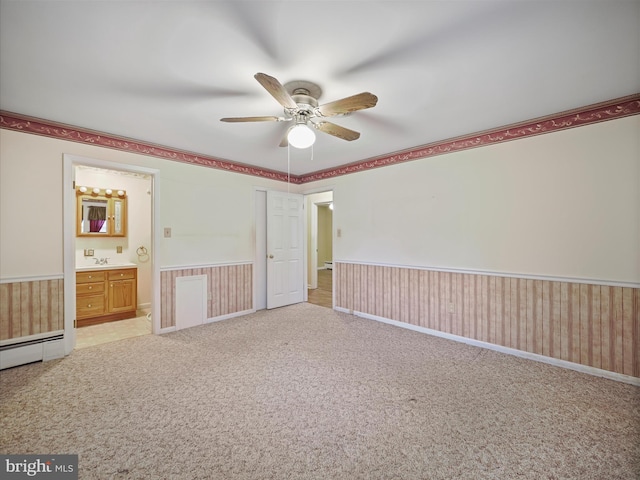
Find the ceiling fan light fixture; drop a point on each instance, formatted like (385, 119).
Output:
(301, 136)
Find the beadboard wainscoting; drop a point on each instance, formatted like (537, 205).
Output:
(31, 307)
(590, 324)
(229, 290)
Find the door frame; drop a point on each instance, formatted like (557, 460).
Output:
(312, 232)
(69, 241)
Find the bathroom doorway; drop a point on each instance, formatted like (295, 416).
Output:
(134, 251)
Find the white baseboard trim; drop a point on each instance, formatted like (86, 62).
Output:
(169, 268)
(52, 350)
(229, 315)
(31, 338)
(35, 352)
(31, 278)
(598, 372)
(213, 320)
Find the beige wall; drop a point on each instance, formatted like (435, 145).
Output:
(564, 204)
(210, 211)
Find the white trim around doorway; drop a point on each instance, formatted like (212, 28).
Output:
(69, 163)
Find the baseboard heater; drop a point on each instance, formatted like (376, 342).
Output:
(32, 350)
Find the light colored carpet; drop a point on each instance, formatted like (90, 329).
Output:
(304, 392)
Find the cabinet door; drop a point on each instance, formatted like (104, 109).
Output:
(122, 295)
(118, 217)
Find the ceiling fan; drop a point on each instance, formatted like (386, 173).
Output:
(300, 101)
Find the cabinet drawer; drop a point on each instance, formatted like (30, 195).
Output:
(89, 288)
(90, 305)
(89, 277)
(122, 274)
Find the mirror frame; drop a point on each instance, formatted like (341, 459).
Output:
(111, 197)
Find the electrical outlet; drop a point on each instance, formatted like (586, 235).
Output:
(119, 249)
(88, 252)
(167, 232)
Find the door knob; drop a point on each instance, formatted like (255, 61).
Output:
(270, 256)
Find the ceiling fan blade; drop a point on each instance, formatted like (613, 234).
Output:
(337, 131)
(252, 119)
(350, 104)
(277, 91)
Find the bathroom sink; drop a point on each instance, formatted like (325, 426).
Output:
(108, 266)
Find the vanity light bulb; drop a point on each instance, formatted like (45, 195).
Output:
(96, 190)
(108, 191)
(120, 192)
(83, 189)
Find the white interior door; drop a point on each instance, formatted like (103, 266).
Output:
(285, 249)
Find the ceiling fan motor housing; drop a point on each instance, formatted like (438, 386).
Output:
(306, 105)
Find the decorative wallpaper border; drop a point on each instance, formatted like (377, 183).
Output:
(46, 128)
(618, 108)
(610, 110)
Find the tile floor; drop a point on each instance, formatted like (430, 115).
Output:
(112, 331)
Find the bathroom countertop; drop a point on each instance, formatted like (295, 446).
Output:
(108, 266)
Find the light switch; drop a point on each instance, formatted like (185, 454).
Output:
(167, 232)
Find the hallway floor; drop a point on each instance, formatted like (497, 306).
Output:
(323, 295)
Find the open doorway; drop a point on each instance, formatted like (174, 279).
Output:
(130, 254)
(320, 248)
(111, 253)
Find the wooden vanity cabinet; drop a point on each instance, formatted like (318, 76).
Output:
(122, 291)
(90, 295)
(106, 295)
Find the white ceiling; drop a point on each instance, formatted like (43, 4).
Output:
(165, 72)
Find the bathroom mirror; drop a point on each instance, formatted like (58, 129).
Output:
(101, 213)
